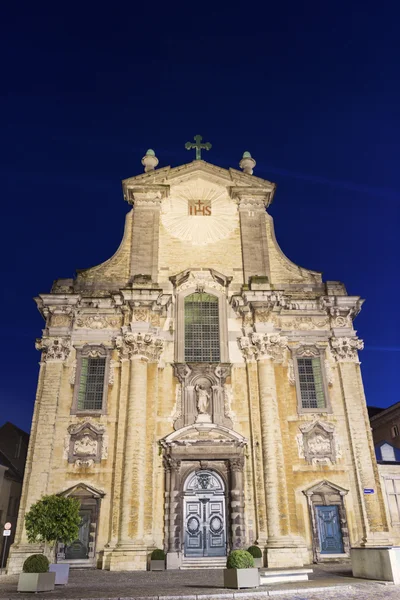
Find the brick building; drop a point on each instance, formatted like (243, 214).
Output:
(200, 392)
(13, 449)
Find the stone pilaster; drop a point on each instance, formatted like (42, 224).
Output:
(267, 349)
(55, 351)
(238, 534)
(372, 512)
(283, 549)
(122, 380)
(253, 230)
(257, 455)
(130, 552)
(145, 231)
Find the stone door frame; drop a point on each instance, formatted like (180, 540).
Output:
(327, 494)
(90, 499)
(183, 457)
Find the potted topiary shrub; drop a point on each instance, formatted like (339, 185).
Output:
(36, 576)
(240, 571)
(256, 553)
(52, 520)
(157, 560)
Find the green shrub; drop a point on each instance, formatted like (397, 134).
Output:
(36, 563)
(158, 554)
(240, 559)
(255, 551)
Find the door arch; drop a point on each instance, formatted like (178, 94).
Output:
(204, 514)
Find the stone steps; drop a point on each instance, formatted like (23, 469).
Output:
(271, 576)
(206, 562)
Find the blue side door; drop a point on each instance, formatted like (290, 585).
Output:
(330, 535)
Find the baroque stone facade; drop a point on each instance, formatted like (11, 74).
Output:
(200, 392)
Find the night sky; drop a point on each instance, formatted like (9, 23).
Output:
(310, 88)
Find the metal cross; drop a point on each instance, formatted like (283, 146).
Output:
(198, 146)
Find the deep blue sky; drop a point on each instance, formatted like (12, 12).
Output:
(310, 88)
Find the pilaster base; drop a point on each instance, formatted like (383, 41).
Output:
(174, 560)
(376, 563)
(377, 538)
(287, 552)
(126, 558)
(19, 554)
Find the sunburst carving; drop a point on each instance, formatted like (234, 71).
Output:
(199, 230)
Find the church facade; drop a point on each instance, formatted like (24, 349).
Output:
(199, 392)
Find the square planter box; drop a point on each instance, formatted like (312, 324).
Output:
(157, 565)
(241, 578)
(36, 582)
(62, 572)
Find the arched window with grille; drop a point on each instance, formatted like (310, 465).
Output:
(202, 331)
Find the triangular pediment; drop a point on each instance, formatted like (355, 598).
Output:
(325, 486)
(83, 489)
(198, 169)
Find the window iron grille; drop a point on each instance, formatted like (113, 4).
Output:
(311, 383)
(202, 343)
(91, 384)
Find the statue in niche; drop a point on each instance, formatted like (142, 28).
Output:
(86, 446)
(203, 399)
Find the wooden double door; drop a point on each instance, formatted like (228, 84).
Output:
(204, 514)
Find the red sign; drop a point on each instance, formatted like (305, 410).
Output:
(7, 526)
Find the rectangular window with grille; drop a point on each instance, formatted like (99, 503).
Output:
(311, 383)
(91, 383)
(202, 342)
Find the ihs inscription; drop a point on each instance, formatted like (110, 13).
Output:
(199, 208)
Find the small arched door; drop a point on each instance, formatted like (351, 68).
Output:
(204, 515)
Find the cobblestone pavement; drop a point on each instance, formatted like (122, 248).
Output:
(96, 584)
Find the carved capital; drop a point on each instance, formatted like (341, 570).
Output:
(237, 464)
(247, 348)
(53, 349)
(269, 345)
(145, 345)
(344, 349)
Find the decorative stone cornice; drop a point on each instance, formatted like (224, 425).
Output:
(53, 348)
(148, 196)
(253, 197)
(141, 345)
(344, 349)
(263, 345)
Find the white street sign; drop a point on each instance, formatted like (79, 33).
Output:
(6, 532)
(7, 526)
